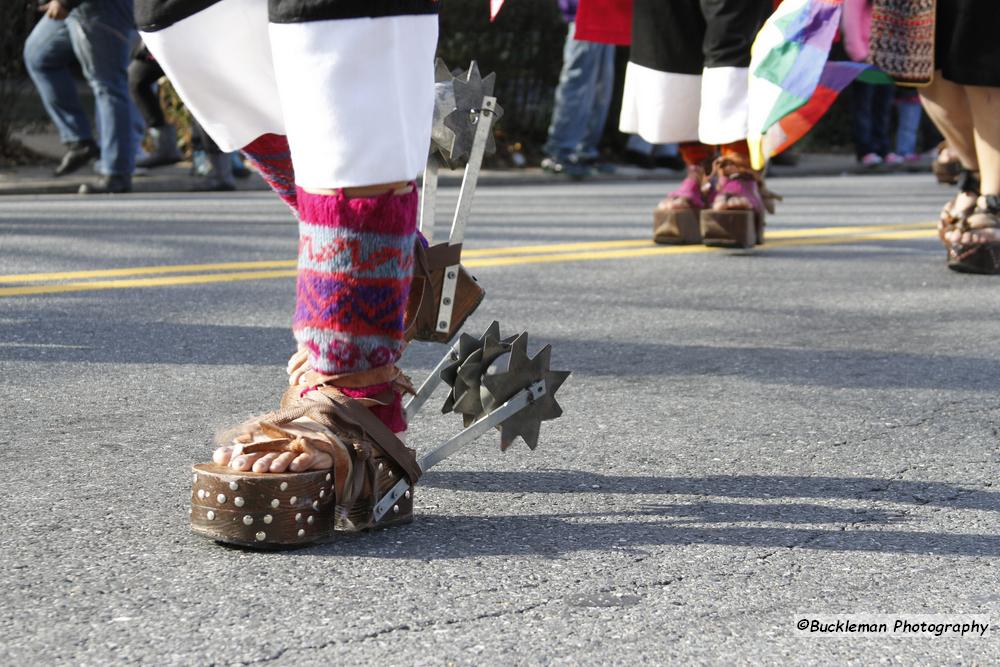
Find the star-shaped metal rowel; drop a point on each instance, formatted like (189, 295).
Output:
(468, 399)
(521, 373)
(457, 101)
(467, 345)
(463, 375)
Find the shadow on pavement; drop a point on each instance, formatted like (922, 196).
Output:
(39, 337)
(727, 486)
(443, 536)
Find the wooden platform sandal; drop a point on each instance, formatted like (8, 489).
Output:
(978, 256)
(731, 227)
(281, 510)
(675, 219)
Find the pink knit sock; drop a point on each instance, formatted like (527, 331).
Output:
(355, 269)
(270, 156)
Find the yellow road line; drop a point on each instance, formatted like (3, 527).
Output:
(649, 250)
(146, 271)
(146, 282)
(531, 255)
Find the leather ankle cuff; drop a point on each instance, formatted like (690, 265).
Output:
(968, 181)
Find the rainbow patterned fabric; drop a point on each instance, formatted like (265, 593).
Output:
(792, 82)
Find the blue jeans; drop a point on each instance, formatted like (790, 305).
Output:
(582, 99)
(99, 34)
(908, 114)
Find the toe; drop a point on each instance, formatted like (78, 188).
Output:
(222, 455)
(282, 461)
(301, 462)
(263, 464)
(243, 462)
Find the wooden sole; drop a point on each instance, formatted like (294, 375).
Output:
(731, 229)
(676, 226)
(261, 510)
(286, 510)
(360, 517)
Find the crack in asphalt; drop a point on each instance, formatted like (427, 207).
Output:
(402, 627)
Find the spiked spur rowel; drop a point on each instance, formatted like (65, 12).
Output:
(464, 375)
(475, 392)
(457, 103)
(522, 372)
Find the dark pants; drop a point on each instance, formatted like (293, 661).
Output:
(871, 105)
(143, 73)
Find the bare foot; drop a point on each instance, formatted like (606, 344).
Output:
(297, 447)
(298, 366)
(731, 203)
(982, 226)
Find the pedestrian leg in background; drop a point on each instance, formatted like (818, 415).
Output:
(102, 34)
(870, 111)
(908, 115)
(220, 174)
(49, 57)
(143, 75)
(581, 105)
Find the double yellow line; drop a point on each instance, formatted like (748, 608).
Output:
(222, 272)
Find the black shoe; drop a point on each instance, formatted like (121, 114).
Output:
(79, 154)
(107, 185)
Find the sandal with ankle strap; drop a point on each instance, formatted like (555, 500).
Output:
(961, 206)
(678, 225)
(981, 257)
(737, 227)
(947, 170)
(281, 510)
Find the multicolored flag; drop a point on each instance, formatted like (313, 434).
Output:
(792, 84)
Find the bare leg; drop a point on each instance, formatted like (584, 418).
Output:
(983, 102)
(948, 106)
(361, 191)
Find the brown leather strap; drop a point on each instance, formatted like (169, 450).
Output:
(366, 378)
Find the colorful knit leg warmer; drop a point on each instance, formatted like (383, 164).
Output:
(355, 269)
(696, 154)
(270, 156)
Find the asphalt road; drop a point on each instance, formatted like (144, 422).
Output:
(749, 439)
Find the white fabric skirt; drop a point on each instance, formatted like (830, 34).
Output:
(666, 107)
(355, 97)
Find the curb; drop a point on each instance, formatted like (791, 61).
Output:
(492, 178)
